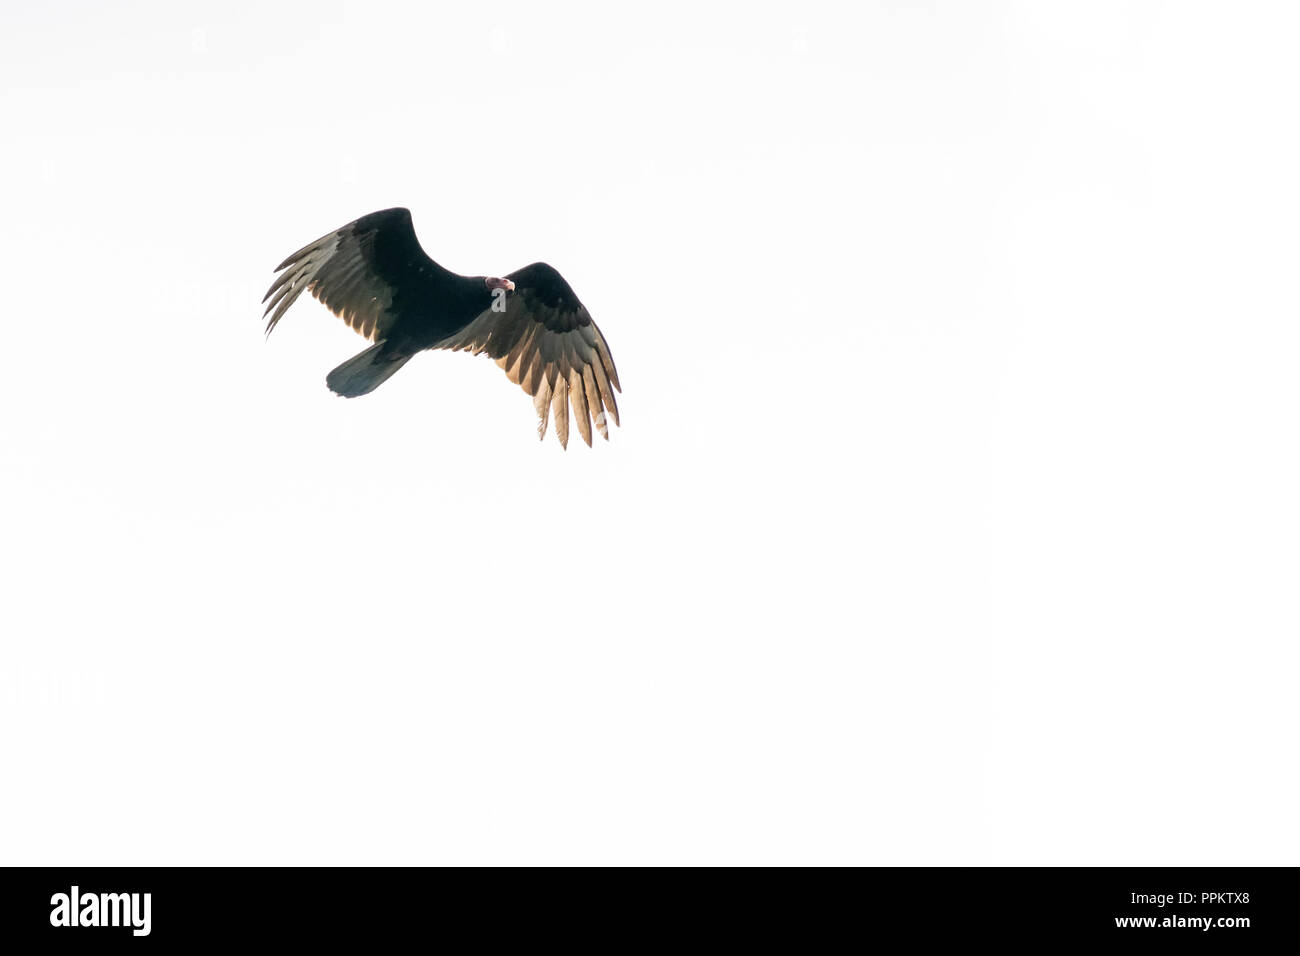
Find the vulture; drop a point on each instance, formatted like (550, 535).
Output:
(373, 274)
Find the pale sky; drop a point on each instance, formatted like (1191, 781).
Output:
(953, 517)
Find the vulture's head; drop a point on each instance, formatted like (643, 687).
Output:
(494, 283)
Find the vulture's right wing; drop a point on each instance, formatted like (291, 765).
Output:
(549, 346)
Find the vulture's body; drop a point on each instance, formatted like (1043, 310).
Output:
(373, 274)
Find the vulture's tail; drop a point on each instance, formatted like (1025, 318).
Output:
(364, 372)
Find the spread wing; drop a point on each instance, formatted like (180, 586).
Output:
(548, 345)
(365, 273)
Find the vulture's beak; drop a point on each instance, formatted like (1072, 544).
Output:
(501, 284)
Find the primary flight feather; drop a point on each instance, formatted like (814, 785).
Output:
(373, 275)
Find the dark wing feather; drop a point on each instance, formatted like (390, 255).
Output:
(548, 345)
(363, 272)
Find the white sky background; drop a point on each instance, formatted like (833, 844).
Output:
(953, 518)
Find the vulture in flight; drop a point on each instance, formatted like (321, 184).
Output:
(373, 275)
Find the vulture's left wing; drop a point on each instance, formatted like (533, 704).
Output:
(548, 345)
(366, 273)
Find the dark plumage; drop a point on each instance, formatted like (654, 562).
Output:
(373, 274)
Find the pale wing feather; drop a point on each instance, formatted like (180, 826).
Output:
(559, 368)
(334, 271)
